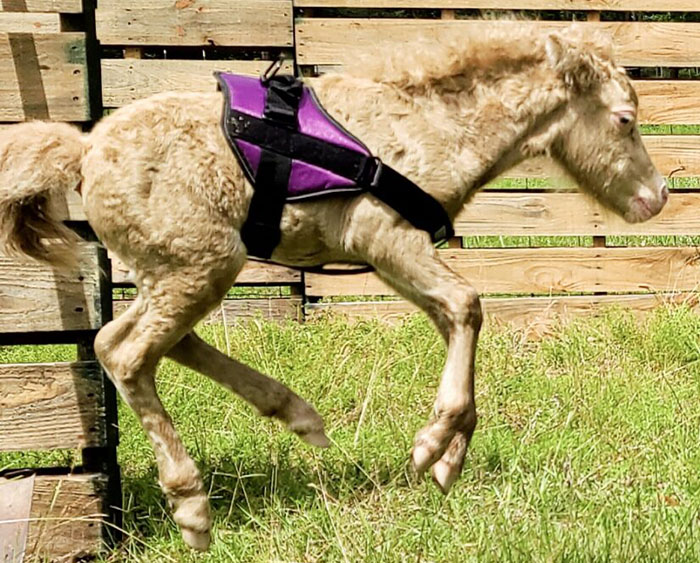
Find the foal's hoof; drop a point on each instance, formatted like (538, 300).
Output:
(305, 422)
(196, 540)
(318, 439)
(444, 475)
(193, 517)
(423, 457)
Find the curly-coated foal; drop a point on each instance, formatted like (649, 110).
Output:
(164, 193)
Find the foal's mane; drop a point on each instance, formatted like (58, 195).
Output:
(474, 49)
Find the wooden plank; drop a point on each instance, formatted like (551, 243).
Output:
(262, 23)
(328, 41)
(126, 80)
(69, 206)
(233, 311)
(253, 273)
(57, 6)
(671, 153)
(29, 23)
(509, 213)
(654, 96)
(605, 5)
(536, 315)
(37, 298)
(568, 214)
(668, 101)
(63, 70)
(516, 213)
(50, 406)
(546, 270)
(68, 517)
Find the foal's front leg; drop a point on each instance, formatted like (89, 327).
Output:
(417, 273)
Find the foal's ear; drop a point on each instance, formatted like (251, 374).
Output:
(572, 62)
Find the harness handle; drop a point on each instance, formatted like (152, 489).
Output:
(272, 70)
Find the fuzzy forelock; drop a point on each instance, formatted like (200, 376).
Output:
(495, 49)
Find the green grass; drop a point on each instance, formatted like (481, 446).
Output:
(587, 447)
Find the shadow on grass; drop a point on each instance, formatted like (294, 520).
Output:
(244, 491)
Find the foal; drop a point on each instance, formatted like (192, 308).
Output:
(164, 193)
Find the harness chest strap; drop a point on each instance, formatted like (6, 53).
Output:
(261, 231)
(278, 136)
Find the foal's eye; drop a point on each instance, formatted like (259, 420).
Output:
(624, 119)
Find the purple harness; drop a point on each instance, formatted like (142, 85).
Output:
(248, 95)
(290, 149)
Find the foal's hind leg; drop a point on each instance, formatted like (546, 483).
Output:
(453, 304)
(270, 397)
(130, 347)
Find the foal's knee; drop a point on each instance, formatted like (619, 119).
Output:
(465, 307)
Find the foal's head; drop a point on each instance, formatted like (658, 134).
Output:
(598, 141)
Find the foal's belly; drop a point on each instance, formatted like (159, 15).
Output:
(312, 232)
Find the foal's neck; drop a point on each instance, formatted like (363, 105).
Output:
(453, 137)
(501, 123)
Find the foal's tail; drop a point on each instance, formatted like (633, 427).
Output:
(39, 162)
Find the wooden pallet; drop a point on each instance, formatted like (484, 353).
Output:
(61, 405)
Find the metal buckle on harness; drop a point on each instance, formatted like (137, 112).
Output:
(377, 173)
(272, 70)
(440, 235)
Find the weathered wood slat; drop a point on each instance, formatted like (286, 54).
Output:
(669, 101)
(568, 214)
(521, 214)
(536, 314)
(554, 212)
(58, 6)
(36, 298)
(68, 517)
(261, 23)
(603, 5)
(671, 153)
(126, 80)
(232, 311)
(63, 70)
(546, 271)
(328, 41)
(255, 273)
(49, 406)
(70, 207)
(20, 22)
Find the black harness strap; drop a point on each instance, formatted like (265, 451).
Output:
(261, 231)
(283, 140)
(420, 209)
(398, 192)
(282, 102)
